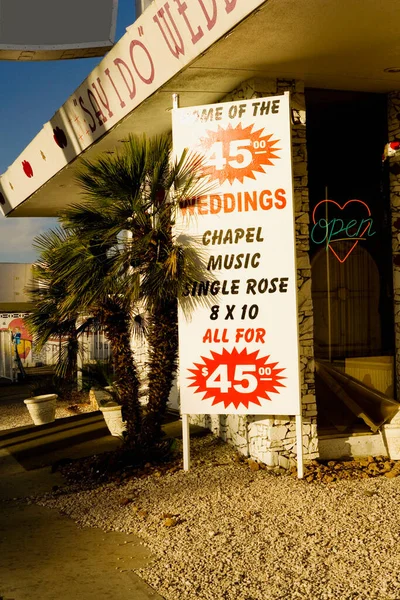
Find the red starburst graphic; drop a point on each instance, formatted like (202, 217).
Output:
(236, 378)
(236, 153)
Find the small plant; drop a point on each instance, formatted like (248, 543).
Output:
(51, 384)
(112, 398)
(39, 386)
(98, 374)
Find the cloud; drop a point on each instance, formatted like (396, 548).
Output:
(16, 237)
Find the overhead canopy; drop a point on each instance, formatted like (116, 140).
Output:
(56, 29)
(201, 50)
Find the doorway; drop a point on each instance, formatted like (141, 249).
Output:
(350, 235)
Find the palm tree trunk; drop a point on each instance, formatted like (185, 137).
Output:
(163, 360)
(67, 362)
(117, 327)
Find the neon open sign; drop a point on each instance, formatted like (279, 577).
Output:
(329, 231)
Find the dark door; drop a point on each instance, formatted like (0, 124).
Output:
(350, 234)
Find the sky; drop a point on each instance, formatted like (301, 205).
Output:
(31, 92)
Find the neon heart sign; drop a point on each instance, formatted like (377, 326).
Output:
(330, 231)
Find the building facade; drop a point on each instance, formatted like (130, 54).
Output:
(339, 65)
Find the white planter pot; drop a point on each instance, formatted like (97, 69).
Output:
(391, 437)
(113, 418)
(42, 409)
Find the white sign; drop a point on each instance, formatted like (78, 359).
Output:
(239, 354)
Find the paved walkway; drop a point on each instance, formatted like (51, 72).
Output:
(44, 555)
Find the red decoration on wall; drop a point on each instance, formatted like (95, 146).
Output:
(27, 168)
(60, 138)
(391, 149)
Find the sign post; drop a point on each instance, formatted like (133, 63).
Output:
(239, 349)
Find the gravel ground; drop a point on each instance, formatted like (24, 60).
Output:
(15, 414)
(227, 531)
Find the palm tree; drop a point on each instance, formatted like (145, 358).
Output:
(125, 227)
(47, 296)
(85, 266)
(62, 296)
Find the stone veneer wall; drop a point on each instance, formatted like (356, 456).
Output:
(394, 182)
(272, 440)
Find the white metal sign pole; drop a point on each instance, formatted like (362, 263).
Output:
(299, 443)
(185, 417)
(186, 442)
